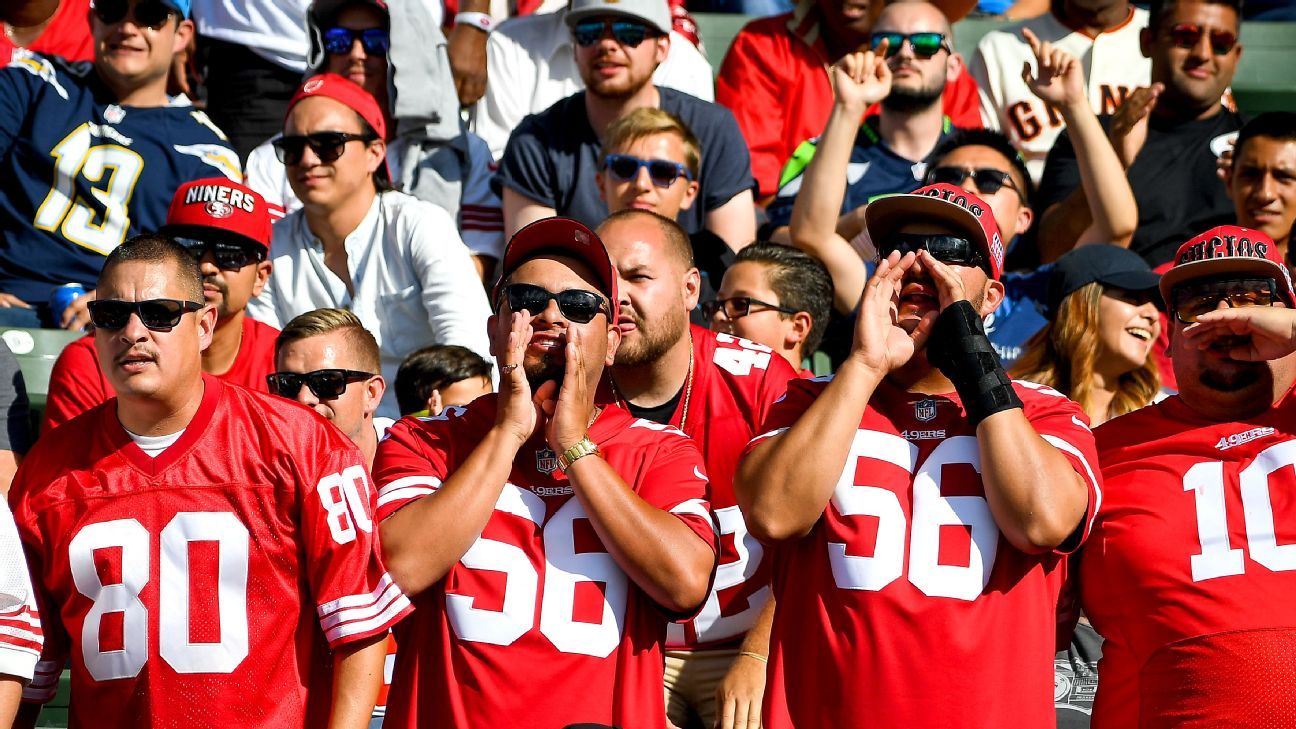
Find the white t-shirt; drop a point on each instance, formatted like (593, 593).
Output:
(273, 29)
(20, 631)
(154, 445)
(1113, 67)
(532, 65)
(413, 279)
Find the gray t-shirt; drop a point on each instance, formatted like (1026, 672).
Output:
(15, 413)
(552, 158)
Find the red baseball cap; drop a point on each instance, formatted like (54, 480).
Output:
(218, 206)
(561, 237)
(1228, 249)
(942, 203)
(345, 91)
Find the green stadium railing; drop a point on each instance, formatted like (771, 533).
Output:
(36, 350)
(1264, 79)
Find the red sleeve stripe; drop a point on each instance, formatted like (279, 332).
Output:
(44, 683)
(496, 227)
(410, 487)
(23, 637)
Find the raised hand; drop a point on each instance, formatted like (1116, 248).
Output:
(1060, 78)
(880, 343)
(1271, 331)
(516, 413)
(1129, 125)
(571, 407)
(862, 78)
(949, 286)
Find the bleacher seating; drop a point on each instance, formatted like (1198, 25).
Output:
(36, 350)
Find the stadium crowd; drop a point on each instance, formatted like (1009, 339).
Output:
(462, 363)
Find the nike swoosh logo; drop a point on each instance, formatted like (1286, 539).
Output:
(698, 472)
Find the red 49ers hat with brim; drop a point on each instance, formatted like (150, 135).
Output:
(218, 207)
(940, 203)
(561, 237)
(1225, 250)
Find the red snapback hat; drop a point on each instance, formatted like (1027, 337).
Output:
(221, 206)
(1228, 249)
(561, 237)
(943, 203)
(345, 91)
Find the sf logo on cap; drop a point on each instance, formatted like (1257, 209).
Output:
(218, 209)
(313, 85)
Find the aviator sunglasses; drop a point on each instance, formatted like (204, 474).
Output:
(662, 172)
(576, 305)
(156, 314)
(1192, 300)
(325, 384)
(1188, 35)
(375, 41)
(328, 146)
(148, 13)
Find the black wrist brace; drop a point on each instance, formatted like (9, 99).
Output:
(959, 347)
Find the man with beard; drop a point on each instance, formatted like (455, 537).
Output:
(718, 389)
(550, 164)
(921, 501)
(596, 520)
(1169, 136)
(225, 226)
(914, 38)
(1190, 567)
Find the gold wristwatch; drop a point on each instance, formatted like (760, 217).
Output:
(584, 447)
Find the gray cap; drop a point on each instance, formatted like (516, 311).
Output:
(655, 13)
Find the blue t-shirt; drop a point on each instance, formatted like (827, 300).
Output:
(79, 174)
(552, 158)
(874, 170)
(1020, 315)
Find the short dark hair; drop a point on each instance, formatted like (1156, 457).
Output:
(156, 248)
(986, 138)
(1280, 125)
(677, 240)
(319, 322)
(1158, 9)
(432, 368)
(382, 183)
(799, 280)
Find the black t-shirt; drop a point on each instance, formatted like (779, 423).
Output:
(552, 158)
(1175, 184)
(660, 413)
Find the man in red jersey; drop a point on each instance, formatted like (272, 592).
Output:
(1190, 572)
(202, 553)
(226, 227)
(923, 502)
(547, 535)
(718, 389)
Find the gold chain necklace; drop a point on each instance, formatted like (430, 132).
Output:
(688, 390)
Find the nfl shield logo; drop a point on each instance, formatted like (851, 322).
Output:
(925, 410)
(546, 461)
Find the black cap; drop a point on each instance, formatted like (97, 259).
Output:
(1106, 264)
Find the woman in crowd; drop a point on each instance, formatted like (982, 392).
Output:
(1096, 349)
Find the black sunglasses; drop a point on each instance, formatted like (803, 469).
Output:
(626, 32)
(1193, 299)
(227, 256)
(576, 305)
(736, 307)
(328, 146)
(148, 13)
(662, 172)
(1188, 35)
(325, 384)
(925, 45)
(375, 41)
(988, 180)
(156, 314)
(949, 249)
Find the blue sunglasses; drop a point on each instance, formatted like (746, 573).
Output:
(375, 41)
(662, 172)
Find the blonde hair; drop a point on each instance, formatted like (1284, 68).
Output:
(645, 122)
(1064, 353)
(319, 322)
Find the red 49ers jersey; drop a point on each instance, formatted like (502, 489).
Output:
(1190, 573)
(536, 626)
(199, 588)
(735, 382)
(904, 606)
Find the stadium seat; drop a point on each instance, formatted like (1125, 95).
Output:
(1264, 81)
(36, 350)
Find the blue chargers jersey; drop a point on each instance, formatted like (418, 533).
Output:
(79, 174)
